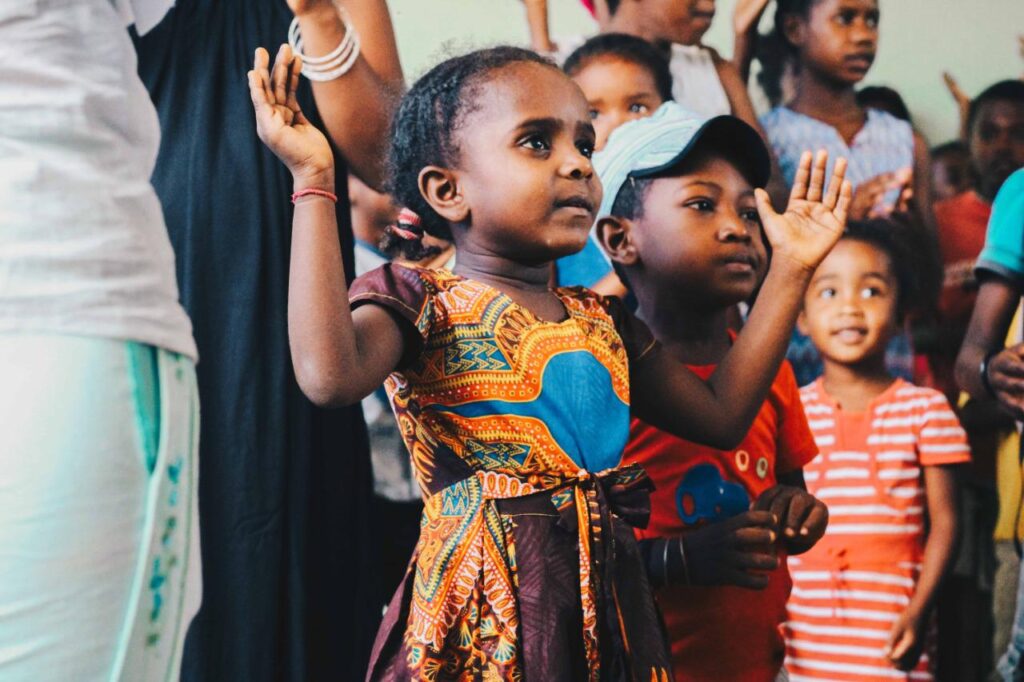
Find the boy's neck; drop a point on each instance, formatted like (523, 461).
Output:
(691, 336)
(825, 99)
(854, 386)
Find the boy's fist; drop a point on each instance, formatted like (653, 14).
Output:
(737, 551)
(802, 517)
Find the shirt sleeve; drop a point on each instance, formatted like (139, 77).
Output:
(794, 441)
(637, 339)
(940, 438)
(404, 292)
(1003, 254)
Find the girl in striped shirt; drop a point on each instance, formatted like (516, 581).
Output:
(862, 597)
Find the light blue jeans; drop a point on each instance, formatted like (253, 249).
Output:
(99, 556)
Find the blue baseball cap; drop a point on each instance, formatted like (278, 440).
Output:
(649, 146)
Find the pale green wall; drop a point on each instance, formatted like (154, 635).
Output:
(975, 39)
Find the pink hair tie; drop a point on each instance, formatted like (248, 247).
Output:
(313, 191)
(589, 4)
(407, 226)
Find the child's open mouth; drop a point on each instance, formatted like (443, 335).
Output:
(850, 335)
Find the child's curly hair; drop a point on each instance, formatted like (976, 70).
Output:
(423, 130)
(895, 239)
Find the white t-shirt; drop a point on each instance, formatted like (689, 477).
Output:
(83, 245)
(695, 82)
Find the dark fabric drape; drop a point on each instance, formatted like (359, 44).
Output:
(284, 487)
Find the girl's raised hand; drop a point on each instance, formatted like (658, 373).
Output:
(280, 122)
(815, 217)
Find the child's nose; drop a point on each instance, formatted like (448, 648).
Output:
(577, 166)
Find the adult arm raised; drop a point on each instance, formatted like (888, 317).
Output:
(357, 107)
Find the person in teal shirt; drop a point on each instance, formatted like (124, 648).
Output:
(985, 369)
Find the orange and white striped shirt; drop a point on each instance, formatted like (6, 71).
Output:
(857, 580)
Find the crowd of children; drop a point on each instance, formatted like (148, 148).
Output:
(656, 389)
(790, 533)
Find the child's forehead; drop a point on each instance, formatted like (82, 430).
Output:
(527, 90)
(857, 258)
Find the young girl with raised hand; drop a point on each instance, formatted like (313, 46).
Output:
(862, 597)
(514, 398)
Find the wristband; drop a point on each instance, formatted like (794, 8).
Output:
(313, 191)
(983, 371)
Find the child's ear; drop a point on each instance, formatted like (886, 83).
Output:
(441, 190)
(615, 235)
(801, 323)
(794, 30)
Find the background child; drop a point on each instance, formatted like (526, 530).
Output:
(688, 240)
(951, 169)
(623, 78)
(862, 596)
(492, 149)
(834, 43)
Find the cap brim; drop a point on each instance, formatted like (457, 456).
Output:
(735, 138)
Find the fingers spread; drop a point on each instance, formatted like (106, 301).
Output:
(842, 208)
(836, 183)
(803, 175)
(814, 188)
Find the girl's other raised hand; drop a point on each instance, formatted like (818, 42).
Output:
(815, 217)
(280, 122)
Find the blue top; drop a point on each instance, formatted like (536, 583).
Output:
(1003, 254)
(885, 144)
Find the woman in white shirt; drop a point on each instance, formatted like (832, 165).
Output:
(98, 404)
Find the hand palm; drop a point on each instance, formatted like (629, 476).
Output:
(814, 219)
(280, 122)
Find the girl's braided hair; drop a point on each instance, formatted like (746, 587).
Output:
(424, 127)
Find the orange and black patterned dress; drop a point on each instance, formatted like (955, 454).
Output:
(526, 566)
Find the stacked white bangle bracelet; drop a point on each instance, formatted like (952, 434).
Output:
(334, 65)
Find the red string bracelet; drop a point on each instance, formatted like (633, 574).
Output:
(314, 192)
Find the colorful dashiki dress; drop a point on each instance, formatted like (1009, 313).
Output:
(526, 566)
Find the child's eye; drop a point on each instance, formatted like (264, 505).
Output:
(845, 18)
(536, 142)
(827, 292)
(586, 148)
(870, 292)
(637, 108)
(701, 205)
(751, 215)
(594, 113)
(872, 20)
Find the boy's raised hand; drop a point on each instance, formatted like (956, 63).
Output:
(815, 217)
(280, 122)
(802, 517)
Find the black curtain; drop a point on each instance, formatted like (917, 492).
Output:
(284, 487)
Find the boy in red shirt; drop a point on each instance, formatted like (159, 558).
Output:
(684, 234)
